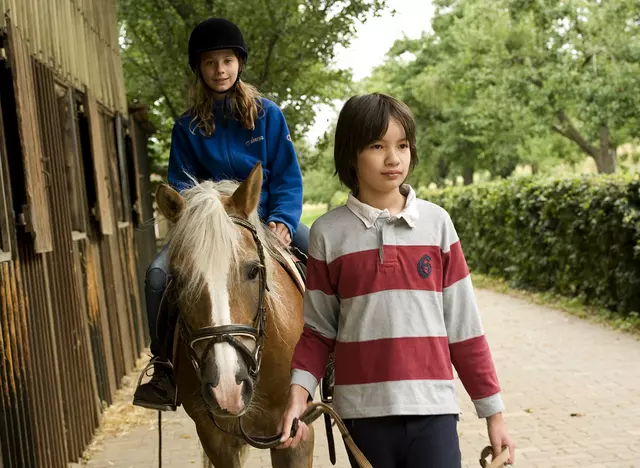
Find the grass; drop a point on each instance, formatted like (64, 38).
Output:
(312, 212)
(573, 306)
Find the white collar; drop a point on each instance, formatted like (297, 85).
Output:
(368, 214)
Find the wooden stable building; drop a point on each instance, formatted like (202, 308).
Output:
(76, 227)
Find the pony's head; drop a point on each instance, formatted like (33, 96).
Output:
(220, 272)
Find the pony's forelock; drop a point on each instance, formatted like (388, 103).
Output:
(205, 235)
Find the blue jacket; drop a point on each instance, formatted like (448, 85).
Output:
(232, 151)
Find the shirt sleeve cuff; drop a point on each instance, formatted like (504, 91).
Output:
(489, 406)
(304, 379)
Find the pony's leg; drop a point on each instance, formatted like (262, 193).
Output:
(223, 451)
(299, 457)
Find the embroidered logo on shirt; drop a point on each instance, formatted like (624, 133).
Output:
(254, 140)
(289, 137)
(424, 267)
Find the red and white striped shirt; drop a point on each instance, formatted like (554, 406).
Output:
(392, 296)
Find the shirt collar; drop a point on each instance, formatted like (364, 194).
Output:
(368, 214)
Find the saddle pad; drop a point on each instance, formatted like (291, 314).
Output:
(286, 259)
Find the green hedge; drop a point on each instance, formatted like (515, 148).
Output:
(574, 236)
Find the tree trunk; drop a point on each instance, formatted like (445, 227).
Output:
(443, 172)
(467, 175)
(606, 158)
(506, 170)
(534, 168)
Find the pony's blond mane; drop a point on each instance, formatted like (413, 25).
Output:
(205, 233)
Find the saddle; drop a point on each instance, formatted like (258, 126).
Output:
(294, 263)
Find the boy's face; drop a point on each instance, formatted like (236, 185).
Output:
(384, 164)
(219, 69)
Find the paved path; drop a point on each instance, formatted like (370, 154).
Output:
(571, 387)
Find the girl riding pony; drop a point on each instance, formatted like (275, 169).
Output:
(227, 130)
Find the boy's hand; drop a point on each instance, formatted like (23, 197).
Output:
(296, 406)
(499, 436)
(281, 231)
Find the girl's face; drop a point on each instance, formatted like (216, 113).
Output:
(219, 69)
(383, 165)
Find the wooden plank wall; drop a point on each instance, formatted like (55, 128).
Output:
(71, 319)
(78, 39)
(77, 374)
(74, 232)
(37, 209)
(100, 172)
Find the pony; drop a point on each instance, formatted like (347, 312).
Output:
(239, 318)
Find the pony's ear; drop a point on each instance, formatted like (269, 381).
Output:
(247, 196)
(170, 202)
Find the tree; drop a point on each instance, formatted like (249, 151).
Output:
(447, 79)
(291, 48)
(498, 83)
(583, 59)
(320, 180)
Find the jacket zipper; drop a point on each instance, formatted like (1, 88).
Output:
(229, 156)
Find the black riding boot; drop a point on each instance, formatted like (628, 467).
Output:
(160, 392)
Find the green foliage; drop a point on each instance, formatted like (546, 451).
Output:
(291, 50)
(312, 212)
(319, 186)
(509, 82)
(575, 236)
(339, 198)
(319, 177)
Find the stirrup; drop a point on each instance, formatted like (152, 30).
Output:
(152, 362)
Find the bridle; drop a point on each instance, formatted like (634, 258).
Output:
(257, 332)
(230, 333)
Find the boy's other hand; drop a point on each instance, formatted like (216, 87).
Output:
(281, 231)
(499, 437)
(295, 407)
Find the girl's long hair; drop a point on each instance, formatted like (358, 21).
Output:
(244, 101)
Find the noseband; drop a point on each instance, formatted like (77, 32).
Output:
(231, 333)
(257, 331)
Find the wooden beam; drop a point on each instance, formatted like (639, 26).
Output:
(37, 210)
(104, 212)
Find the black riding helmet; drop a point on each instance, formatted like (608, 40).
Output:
(215, 34)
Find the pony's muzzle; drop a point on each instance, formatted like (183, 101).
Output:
(230, 400)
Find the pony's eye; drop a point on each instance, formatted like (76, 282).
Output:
(254, 272)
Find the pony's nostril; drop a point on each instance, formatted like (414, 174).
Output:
(248, 385)
(247, 391)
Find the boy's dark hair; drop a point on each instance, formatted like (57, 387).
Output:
(363, 120)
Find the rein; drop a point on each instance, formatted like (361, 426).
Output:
(257, 332)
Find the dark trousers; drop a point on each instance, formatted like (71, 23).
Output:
(157, 277)
(407, 441)
(301, 239)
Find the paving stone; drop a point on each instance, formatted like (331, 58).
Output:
(571, 389)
